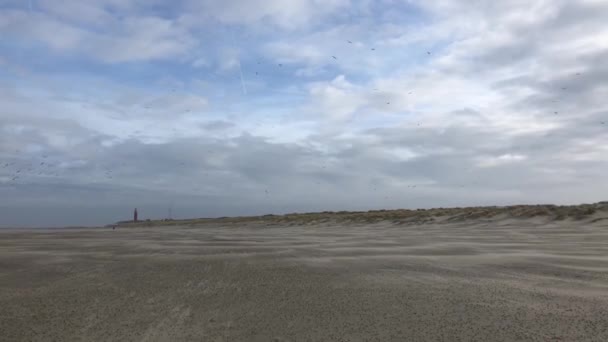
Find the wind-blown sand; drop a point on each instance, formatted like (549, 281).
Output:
(481, 279)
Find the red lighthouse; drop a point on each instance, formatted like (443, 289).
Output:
(135, 215)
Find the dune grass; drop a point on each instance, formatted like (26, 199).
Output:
(399, 216)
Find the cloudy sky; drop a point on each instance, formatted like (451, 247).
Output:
(237, 107)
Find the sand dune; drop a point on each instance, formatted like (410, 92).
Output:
(472, 274)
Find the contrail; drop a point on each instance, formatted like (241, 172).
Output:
(242, 79)
(238, 59)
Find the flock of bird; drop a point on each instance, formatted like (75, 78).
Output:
(44, 168)
(18, 171)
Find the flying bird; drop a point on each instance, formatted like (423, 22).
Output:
(428, 52)
(334, 57)
(280, 65)
(349, 42)
(373, 49)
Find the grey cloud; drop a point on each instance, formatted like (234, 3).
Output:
(287, 16)
(578, 15)
(234, 175)
(556, 23)
(570, 94)
(218, 125)
(117, 32)
(564, 86)
(136, 38)
(465, 158)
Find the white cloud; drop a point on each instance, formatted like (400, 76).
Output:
(41, 28)
(337, 100)
(500, 160)
(200, 63)
(228, 59)
(508, 103)
(144, 38)
(130, 39)
(286, 14)
(310, 71)
(83, 12)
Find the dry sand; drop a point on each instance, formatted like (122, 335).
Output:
(496, 279)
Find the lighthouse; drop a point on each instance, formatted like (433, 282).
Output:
(135, 215)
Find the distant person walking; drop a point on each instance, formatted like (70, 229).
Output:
(135, 215)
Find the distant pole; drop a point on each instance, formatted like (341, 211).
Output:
(135, 215)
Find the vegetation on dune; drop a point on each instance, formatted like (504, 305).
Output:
(399, 216)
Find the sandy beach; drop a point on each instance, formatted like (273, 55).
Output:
(492, 279)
